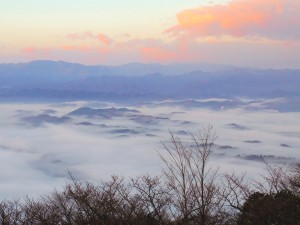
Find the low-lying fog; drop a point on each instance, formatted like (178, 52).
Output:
(40, 143)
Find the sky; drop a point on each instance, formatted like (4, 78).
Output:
(248, 33)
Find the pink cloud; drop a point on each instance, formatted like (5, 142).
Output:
(29, 50)
(266, 18)
(155, 50)
(104, 39)
(139, 50)
(156, 54)
(34, 50)
(273, 54)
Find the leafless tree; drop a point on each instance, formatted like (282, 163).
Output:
(192, 183)
(234, 191)
(274, 180)
(154, 197)
(293, 179)
(10, 212)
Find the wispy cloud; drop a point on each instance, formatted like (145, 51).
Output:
(81, 36)
(29, 50)
(143, 50)
(275, 19)
(104, 39)
(157, 54)
(80, 48)
(35, 50)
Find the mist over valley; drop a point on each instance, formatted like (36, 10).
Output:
(41, 142)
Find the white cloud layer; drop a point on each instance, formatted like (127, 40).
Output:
(35, 159)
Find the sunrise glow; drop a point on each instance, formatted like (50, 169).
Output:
(115, 32)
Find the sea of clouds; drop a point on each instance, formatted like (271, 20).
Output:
(36, 155)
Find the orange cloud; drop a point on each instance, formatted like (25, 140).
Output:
(157, 54)
(29, 50)
(267, 18)
(33, 50)
(104, 39)
(89, 35)
(141, 50)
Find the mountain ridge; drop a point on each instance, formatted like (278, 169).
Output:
(62, 80)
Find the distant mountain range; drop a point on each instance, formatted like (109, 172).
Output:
(69, 81)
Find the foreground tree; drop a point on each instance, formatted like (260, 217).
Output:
(276, 200)
(293, 179)
(154, 198)
(192, 183)
(235, 190)
(271, 209)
